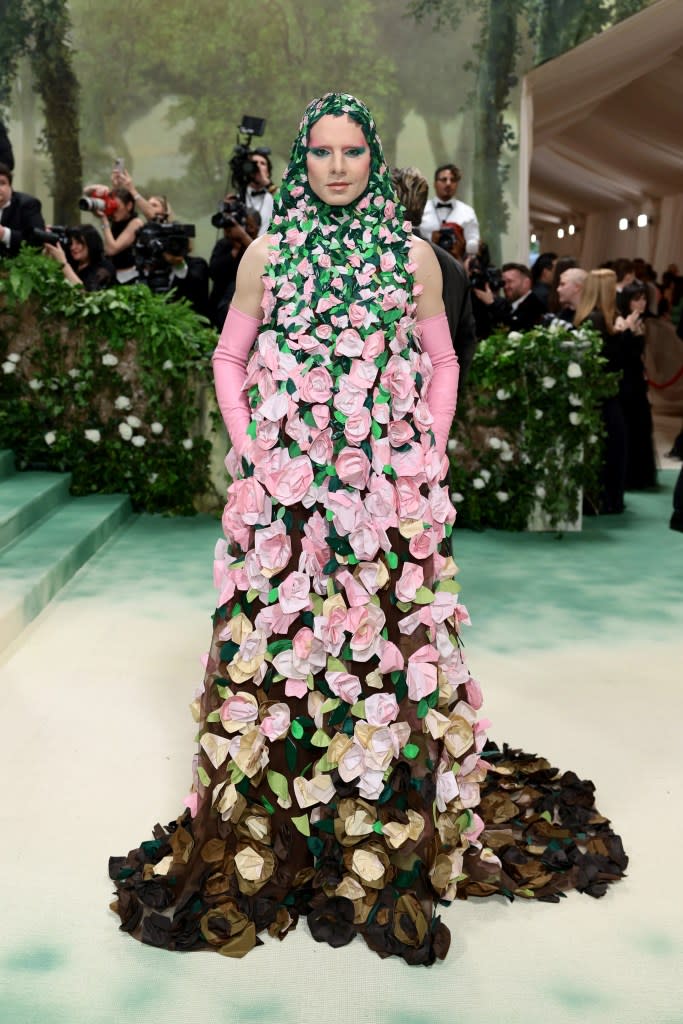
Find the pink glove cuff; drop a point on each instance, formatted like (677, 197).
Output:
(229, 373)
(443, 389)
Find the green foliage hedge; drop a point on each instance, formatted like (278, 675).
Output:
(528, 434)
(104, 385)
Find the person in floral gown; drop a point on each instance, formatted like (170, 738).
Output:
(343, 771)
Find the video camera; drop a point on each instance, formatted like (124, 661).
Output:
(152, 242)
(482, 274)
(57, 235)
(230, 213)
(242, 166)
(100, 198)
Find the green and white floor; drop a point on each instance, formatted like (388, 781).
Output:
(578, 643)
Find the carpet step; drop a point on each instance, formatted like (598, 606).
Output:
(44, 558)
(25, 498)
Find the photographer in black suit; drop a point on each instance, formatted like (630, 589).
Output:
(19, 215)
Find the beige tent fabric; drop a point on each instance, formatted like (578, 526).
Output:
(606, 139)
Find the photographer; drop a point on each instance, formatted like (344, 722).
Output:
(120, 224)
(81, 254)
(520, 310)
(259, 193)
(445, 211)
(164, 264)
(412, 190)
(19, 216)
(240, 227)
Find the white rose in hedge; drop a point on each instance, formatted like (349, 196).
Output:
(485, 474)
(122, 402)
(35, 384)
(157, 428)
(456, 497)
(75, 372)
(548, 383)
(188, 443)
(574, 370)
(538, 413)
(139, 441)
(502, 394)
(133, 421)
(8, 367)
(93, 435)
(125, 431)
(575, 399)
(50, 438)
(495, 442)
(507, 455)
(502, 495)
(592, 439)
(478, 483)
(109, 360)
(540, 491)
(168, 365)
(514, 336)
(153, 477)
(452, 444)
(575, 418)
(14, 357)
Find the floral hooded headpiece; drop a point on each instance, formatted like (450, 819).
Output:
(325, 258)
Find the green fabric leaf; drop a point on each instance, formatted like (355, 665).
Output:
(422, 708)
(296, 729)
(213, 716)
(320, 738)
(278, 784)
(203, 776)
(423, 596)
(302, 824)
(290, 754)
(391, 559)
(411, 750)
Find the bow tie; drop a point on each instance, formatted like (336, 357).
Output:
(440, 206)
(258, 192)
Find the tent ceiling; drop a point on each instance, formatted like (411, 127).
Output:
(607, 119)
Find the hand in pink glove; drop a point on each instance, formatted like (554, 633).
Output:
(443, 389)
(230, 371)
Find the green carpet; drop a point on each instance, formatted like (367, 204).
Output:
(578, 644)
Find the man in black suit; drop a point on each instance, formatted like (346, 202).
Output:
(6, 153)
(520, 310)
(19, 215)
(412, 189)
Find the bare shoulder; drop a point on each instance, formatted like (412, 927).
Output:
(428, 277)
(254, 259)
(424, 258)
(249, 283)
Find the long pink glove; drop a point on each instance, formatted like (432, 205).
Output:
(229, 373)
(443, 389)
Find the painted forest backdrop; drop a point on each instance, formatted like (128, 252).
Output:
(165, 85)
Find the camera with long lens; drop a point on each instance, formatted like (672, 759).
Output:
(57, 235)
(482, 274)
(242, 166)
(153, 242)
(100, 199)
(230, 213)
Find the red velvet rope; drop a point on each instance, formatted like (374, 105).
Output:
(668, 383)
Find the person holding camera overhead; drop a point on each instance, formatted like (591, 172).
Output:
(19, 215)
(81, 254)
